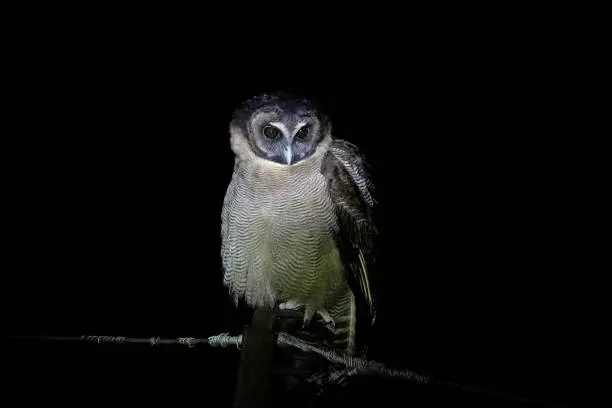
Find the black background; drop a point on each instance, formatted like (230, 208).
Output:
(120, 159)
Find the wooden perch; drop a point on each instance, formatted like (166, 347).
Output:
(256, 360)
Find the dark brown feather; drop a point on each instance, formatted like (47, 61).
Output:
(346, 172)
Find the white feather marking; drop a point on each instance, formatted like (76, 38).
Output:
(281, 126)
(351, 337)
(365, 279)
(298, 127)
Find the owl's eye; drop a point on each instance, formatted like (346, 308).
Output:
(302, 133)
(272, 133)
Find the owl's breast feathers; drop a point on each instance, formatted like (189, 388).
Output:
(278, 224)
(301, 231)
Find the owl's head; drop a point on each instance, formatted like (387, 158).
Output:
(280, 127)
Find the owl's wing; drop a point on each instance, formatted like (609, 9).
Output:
(351, 189)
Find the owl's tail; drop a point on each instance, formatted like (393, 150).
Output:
(344, 314)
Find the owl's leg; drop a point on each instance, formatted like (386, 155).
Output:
(309, 313)
(327, 319)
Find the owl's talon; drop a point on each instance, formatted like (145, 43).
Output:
(308, 315)
(327, 320)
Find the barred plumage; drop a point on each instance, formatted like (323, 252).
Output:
(278, 243)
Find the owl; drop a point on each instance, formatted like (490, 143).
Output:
(296, 225)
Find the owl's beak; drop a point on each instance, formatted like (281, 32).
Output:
(288, 154)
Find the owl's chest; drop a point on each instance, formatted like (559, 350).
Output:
(294, 201)
(274, 229)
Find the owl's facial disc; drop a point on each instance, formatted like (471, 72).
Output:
(283, 138)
